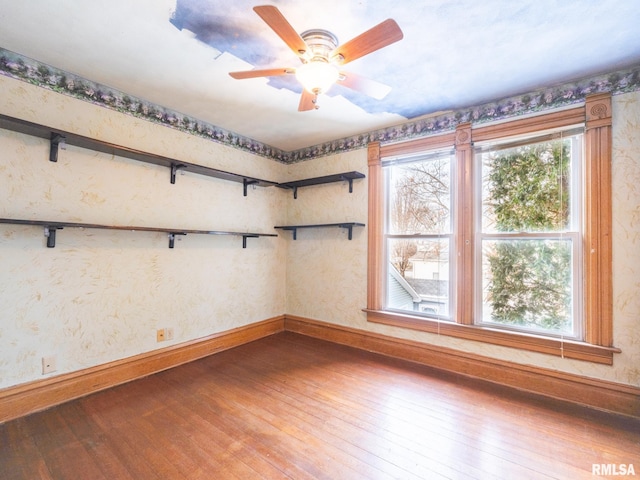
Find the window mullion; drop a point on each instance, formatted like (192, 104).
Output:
(464, 227)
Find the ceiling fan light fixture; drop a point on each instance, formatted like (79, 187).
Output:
(322, 57)
(317, 76)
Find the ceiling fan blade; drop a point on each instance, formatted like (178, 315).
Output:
(307, 101)
(268, 72)
(272, 17)
(365, 85)
(375, 38)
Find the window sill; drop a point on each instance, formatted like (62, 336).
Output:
(523, 341)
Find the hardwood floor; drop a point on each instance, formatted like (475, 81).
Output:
(290, 406)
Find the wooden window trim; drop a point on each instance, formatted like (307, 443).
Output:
(508, 338)
(598, 295)
(464, 240)
(375, 240)
(598, 244)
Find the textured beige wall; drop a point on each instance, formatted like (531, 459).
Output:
(100, 295)
(326, 274)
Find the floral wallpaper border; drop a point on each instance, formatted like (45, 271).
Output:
(45, 76)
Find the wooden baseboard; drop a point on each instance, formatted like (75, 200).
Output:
(31, 397)
(599, 394)
(34, 396)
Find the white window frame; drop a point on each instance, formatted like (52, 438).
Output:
(413, 159)
(575, 230)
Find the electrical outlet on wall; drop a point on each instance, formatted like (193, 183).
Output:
(160, 335)
(168, 333)
(48, 364)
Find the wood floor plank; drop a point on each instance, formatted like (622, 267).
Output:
(63, 453)
(227, 455)
(424, 457)
(517, 429)
(309, 429)
(19, 455)
(335, 400)
(97, 442)
(294, 407)
(228, 416)
(265, 431)
(207, 395)
(128, 432)
(323, 417)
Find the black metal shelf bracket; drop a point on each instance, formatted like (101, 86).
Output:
(50, 234)
(349, 227)
(175, 167)
(172, 237)
(295, 195)
(350, 180)
(244, 239)
(57, 141)
(246, 182)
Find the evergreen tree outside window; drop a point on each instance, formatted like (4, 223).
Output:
(530, 235)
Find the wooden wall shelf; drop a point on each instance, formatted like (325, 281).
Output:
(339, 177)
(348, 225)
(51, 227)
(59, 139)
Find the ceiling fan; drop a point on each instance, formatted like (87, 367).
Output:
(322, 57)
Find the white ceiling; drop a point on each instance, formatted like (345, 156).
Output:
(455, 54)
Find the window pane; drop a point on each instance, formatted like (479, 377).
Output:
(420, 197)
(418, 279)
(528, 284)
(527, 188)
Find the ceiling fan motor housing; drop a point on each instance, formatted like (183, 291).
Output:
(321, 43)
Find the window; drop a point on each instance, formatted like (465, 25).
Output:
(418, 233)
(499, 233)
(528, 243)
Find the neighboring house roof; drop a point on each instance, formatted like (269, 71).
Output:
(429, 288)
(401, 294)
